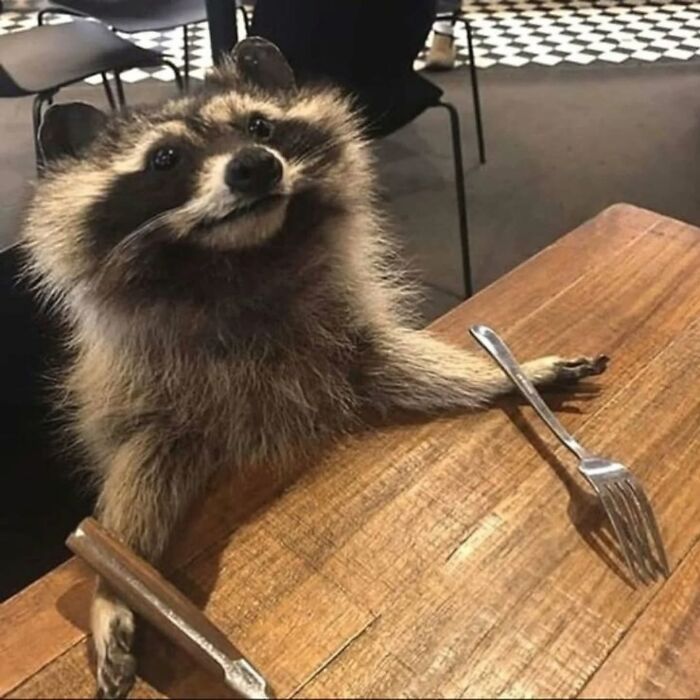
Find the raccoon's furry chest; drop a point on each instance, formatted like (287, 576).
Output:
(272, 398)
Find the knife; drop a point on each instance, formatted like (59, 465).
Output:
(144, 589)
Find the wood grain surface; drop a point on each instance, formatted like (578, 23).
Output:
(658, 658)
(457, 556)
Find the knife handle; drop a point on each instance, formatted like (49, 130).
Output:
(144, 590)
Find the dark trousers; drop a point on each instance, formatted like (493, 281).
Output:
(449, 6)
(350, 42)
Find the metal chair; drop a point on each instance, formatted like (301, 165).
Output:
(132, 16)
(474, 79)
(68, 54)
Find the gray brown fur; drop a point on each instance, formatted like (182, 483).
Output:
(254, 341)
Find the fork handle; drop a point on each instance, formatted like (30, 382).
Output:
(492, 343)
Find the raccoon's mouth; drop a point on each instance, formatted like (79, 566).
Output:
(257, 206)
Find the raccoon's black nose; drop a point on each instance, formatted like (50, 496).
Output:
(253, 171)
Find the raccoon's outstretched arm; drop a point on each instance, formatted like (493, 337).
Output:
(412, 369)
(142, 498)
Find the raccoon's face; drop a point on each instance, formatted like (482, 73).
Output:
(175, 192)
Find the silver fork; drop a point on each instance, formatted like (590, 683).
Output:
(620, 492)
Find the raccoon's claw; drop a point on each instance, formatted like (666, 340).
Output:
(571, 371)
(116, 671)
(116, 665)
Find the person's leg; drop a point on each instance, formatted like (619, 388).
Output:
(442, 53)
(317, 37)
(393, 34)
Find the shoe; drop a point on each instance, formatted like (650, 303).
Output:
(442, 53)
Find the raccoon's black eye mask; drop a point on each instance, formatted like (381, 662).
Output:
(68, 130)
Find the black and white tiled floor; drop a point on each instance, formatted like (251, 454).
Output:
(514, 33)
(518, 33)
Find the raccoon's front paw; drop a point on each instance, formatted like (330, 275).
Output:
(113, 633)
(571, 371)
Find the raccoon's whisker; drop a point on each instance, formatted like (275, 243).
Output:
(128, 246)
(321, 149)
(315, 153)
(303, 153)
(137, 234)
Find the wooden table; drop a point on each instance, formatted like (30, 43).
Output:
(458, 556)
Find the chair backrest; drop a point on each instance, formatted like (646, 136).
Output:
(365, 46)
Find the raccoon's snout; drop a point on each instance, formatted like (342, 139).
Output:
(253, 171)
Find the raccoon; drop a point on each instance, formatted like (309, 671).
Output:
(231, 298)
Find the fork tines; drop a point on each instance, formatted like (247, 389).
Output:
(634, 523)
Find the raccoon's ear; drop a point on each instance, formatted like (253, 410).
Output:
(68, 129)
(260, 63)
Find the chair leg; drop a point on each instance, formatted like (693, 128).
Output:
(37, 105)
(186, 54)
(108, 92)
(476, 98)
(36, 122)
(121, 99)
(41, 15)
(455, 132)
(246, 19)
(176, 72)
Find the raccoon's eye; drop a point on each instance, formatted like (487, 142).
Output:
(259, 127)
(164, 158)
